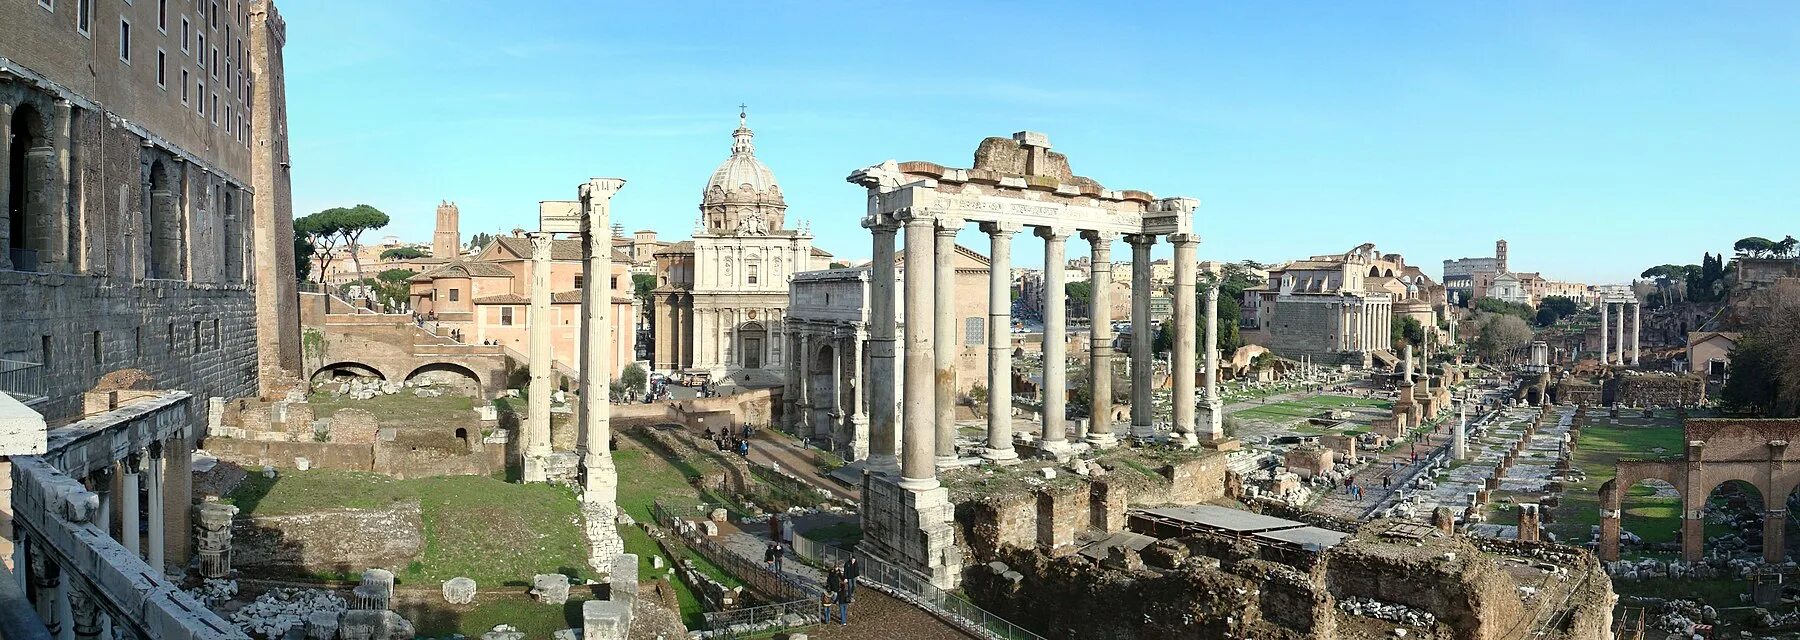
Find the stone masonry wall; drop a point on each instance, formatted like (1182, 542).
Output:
(199, 338)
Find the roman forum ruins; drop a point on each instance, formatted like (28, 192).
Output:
(1016, 183)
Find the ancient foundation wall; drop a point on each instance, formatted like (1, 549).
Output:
(398, 460)
(1659, 390)
(329, 542)
(195, 337)
(1052, 516)
(1469, 592)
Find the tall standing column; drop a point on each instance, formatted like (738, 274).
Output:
(6, 188)
(1619, 336)
(177, 486)
(858, 446)
(1183, 365)
(600, 479)
(883, 432)
(1056, 325)
(918, 440)
(944, 343)
(1637, 325)
(102, 482)
(130, 518)
(1100, 345)
(1214, 430)
(999, 383)
(47, 576)
(1142, 424)
(154, 549)
(1462, 427)
(536, 443)
(804, 400)
(1605, 310)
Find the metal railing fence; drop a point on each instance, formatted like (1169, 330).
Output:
(766, 618)
(22, 380)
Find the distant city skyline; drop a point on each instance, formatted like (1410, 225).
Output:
(1597, 139)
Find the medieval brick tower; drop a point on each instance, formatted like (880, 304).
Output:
(446, 243)
(1500, 255)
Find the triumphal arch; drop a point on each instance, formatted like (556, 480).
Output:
(1719, 450)
(1015, 183)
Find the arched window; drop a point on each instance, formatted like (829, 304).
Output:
(31, 163)
(162, 222)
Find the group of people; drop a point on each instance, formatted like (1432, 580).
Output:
(840, 590)
(729, 441)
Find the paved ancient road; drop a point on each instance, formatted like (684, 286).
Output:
(768, 447)
(878, 616)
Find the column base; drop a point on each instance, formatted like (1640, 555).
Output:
(1143, 431)
(1059, 449)
(535, 467)
(918, 484)
(599, 479)
(1184, 440)
(1102, 440)
(1004, 457)
(883, 465)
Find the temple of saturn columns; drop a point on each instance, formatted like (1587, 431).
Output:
(1016, 183)
(1612, 344)
(590, 466)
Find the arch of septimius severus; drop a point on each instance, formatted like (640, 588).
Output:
(1016, 183)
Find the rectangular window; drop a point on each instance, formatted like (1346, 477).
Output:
(214, 69)
(195, 345)
(44, 353)
(124, 41)
(200, 52)
(212, 15)
(580, 280)
(48, 5)
(506, 316)
(227, 116)
(171, 337)
(187, 34)
(162, 68)
(162, 15)
(455, 294)
(974, 330)
(753, 272)
(215, 334)
(84, 16)
(200, 90)
(98, 358)
(184, 86)
(137, 342)
(215, 108)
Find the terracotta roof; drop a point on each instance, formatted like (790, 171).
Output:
(559, 297)
(820, 253)
(467, 268)
(685, 246)
(559, 249)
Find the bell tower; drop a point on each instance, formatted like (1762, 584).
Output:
(446, 243)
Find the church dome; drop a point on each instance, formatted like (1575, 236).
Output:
(742, 168)
(742, 196)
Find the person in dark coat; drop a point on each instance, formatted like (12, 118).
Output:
(852, 571)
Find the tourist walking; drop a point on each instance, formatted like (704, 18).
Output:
(825, 598)
(852, 571)
(769, 560)
(787, 532)
(843, 596)
(777, 550)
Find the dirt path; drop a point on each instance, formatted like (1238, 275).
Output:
(768, 448)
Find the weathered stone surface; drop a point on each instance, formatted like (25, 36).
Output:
(346, 541)
(365, 624)
(550, 588)
(459, 590)
(353, 426)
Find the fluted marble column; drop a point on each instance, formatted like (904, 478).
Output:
(883, 426)
(538, 322)
(130, 516)
(1100, 344)
(1183, 365)
(600, 478)
(1142, 424)
(858, 448)
(1637, 325)
(1619, 336)
(918, 444)
(944, 343)
(804, 400)
(153, 550)
(1605, 311)
(999, 403)
(1056, 391)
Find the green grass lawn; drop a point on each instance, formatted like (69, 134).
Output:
(1654, 519)
(401, 409)
(1303, 408)
(535, 619)
(475, 526)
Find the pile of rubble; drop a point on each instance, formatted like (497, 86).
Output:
(1681, 616)
(278, 610)
(1769, 620)
(213, 592)
(364, 388)
(1713, 567)
(1395, 613)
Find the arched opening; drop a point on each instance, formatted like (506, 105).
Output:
(821, 391)
(30, 159)
(345, 373)
(751, 338)
(1389, 273)
(1650, 519)
(439, 378)
(1734, 519)
(462, 435)
(162, 223)
(1374, 272)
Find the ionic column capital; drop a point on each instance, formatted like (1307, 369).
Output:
(1184, 238)
(1053, 234)
(879, 224)
(1001, 229)
(1100, 238)
(949, 226)
(916, 216)
(1140, 239)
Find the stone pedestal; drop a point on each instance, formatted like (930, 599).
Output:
(912, 529)
(214, 539)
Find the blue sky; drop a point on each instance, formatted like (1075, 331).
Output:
(1598, 138)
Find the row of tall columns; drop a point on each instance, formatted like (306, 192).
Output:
(1055, 389)
(1100, 347)
(999, 419)
(884, 431)
(918, 444)
(1142, 425)
(1613, 336)
(536, 443)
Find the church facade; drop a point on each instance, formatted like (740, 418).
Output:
(722, 297)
